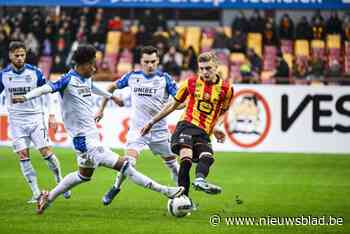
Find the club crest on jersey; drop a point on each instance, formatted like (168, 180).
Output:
(137, 80)
(206, 96)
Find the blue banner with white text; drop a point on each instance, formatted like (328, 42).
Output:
(223, 4)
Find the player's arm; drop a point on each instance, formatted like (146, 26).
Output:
(179, 98)
(119, 84)
(169, 108)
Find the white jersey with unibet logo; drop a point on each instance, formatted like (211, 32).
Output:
(20, 82)
(76, 103)
(149, 93)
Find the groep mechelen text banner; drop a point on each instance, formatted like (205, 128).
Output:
(262, 118)
(234, 4)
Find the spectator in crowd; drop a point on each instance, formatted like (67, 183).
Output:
(334, 69)
(221, 41)
(300, 69)
(149, 21)
(317, 68)
(318, 29)
(127, 39)
(281, 73)
(172, 62)
(240, 23)
(255, 61)
(190, 60)
(270, 33)
(303, 29)
(238, 42)
(256, 22)
(334, 24)
(32, 44)
(116, 24)
(174, 39)
(286, 29)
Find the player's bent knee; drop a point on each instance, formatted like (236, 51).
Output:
(85, 174)
(132, 153)
(186, 152)
(23, 155)
(46, 151)
(169, 158)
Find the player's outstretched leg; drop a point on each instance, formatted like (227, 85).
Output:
(138, 178)
(202, 171)
(69, 181)
(54, 165)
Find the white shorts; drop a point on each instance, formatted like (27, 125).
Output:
(25, 133)
(91, 154)
(157, 141)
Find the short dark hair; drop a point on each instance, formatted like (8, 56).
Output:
(14, 45)
(85, 53)
(149, 50)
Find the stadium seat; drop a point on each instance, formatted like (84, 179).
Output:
(223, 58)
(193, 36)
(235, 74)
(254, 41)
(111, 60)
(302, 48)
(206, 42)
(318, 48)
(237, 58)
(113, 40)
(289, 60)
(333, 41)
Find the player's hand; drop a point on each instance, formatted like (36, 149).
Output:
(98, 116)
(146, 128)
(117, 100)
(18, 99)
(219, 135)
(52, 122)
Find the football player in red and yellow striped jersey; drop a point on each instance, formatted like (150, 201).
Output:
(207, 98)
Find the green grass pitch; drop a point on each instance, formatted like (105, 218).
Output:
(275, 185)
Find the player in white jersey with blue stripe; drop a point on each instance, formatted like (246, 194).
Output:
(150, 90)
(27, 123)
(76, 88)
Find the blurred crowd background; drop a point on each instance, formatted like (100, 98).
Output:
(258, 46)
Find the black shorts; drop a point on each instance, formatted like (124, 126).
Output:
(187, 135)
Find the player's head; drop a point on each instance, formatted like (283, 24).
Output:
(149, 59)
(17, 54)
(85, 60)
(207, 66)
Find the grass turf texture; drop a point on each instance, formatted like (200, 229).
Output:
(268, 184)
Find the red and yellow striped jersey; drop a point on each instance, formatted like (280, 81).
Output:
(205, 101)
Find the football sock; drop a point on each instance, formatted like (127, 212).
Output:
(69, 181)
(30, 176)
(121, 177)
(184, 174)
(142, 180)
(202, 169)
(54, 166)
(173, 166)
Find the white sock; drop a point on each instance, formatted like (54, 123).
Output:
(54, 166)
(30, 176)
(121, 177)
(142, 180)
(174, 167)
(69, 181)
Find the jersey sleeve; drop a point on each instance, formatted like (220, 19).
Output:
(1, 84)
(228, 99)
(182, 92)
(40, 78)
(60, 84)
(171, 86)
(123, 81)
